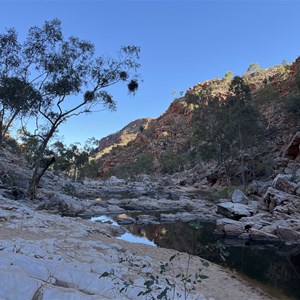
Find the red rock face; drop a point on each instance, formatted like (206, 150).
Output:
(131, 129)
(172, 131)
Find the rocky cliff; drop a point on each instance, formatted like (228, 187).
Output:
(166, 144)
(123, 136)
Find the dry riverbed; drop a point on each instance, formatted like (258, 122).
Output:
(46, 256)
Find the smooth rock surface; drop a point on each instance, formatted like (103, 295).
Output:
(234, 210)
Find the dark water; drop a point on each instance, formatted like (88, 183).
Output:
(276, 266)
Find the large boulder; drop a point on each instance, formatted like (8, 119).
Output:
(64, 205)
(256, 234)
(283, 183)
(293, 168)
(230, 227)
(288, 234)
(234, 210)
(274, 198)
(292, 150)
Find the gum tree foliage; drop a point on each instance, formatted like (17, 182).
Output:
(213, 134)
(17, 95)
(63, 78)
(70, 159)
(227, 129)
(253, 67)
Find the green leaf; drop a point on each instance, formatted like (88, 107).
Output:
(148, 283)
(163, 294)
(105, 274)
(172, 257)
(205, 263)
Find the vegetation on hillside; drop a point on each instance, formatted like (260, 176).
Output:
(237, 122)
(228, 129)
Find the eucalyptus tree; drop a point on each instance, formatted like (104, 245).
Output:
(66, 79)
(17, 96)
(227, 129)
(245, 120)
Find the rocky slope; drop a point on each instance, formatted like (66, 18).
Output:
(168, 139)
(122, 137)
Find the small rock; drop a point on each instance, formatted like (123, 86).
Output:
(239, 197)
(297, 192)
(147, 219)
(115, 180)
(125, 220)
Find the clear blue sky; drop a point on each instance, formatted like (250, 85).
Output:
(182, 43)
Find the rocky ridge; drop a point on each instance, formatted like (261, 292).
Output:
(122, 137)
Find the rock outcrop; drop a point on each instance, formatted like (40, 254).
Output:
(292, 151)
(277, 213)
(124, 136)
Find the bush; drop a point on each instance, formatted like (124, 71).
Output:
(69, 189)
(173, 280)
(13, 144)
(297, 80)
(90, 169)
(144, 163)
(266, 94)
(171, 162)
(293, 105)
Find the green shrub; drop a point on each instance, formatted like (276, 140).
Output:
(266, 94)
(297, 80)
(174, 280)
(13, 144)
(260, 169)
(292, 105)
(90, 169)
(225, 192)
(171, 162)
(253, 67)
(69, 189)
(144, 163)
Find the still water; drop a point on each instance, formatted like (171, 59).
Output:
(276, 266)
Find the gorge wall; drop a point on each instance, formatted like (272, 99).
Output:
(157, 145)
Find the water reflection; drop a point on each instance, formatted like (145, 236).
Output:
(127, 236)
(275, 265)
